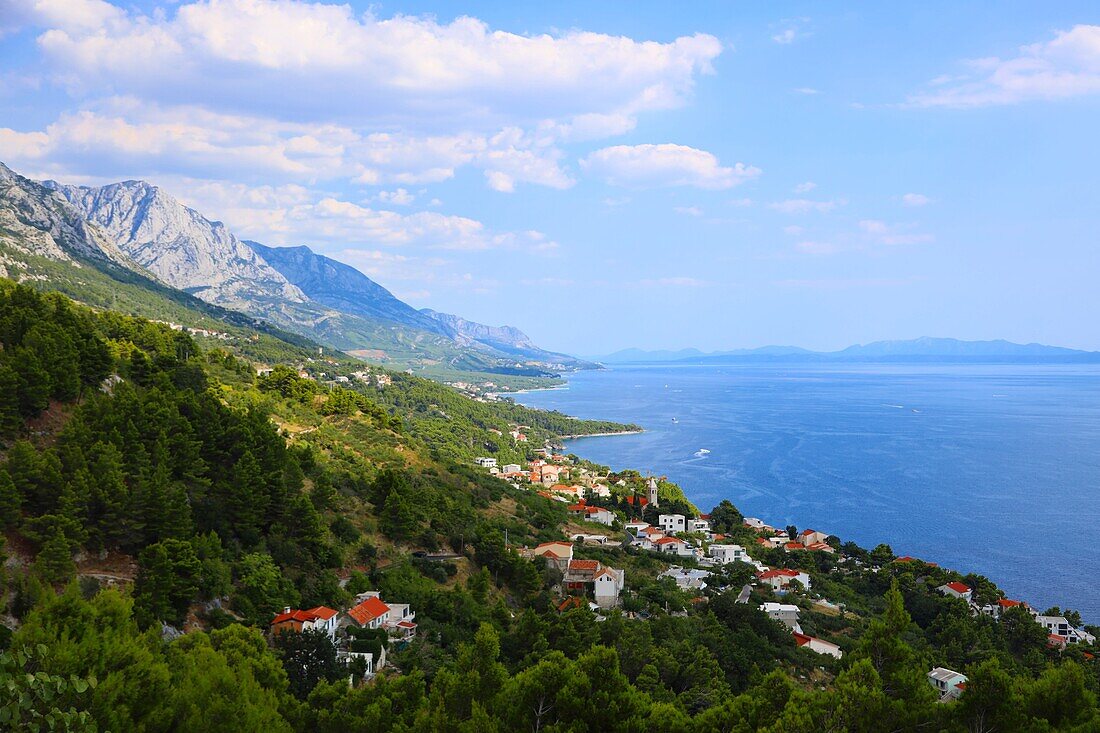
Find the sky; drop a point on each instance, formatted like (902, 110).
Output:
(607, 175)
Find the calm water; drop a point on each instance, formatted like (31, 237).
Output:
(991, 469)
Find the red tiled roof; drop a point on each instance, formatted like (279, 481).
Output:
(592, 565)
(368, 610)
(801, 639)
(778, 573)
(641, 500)
(905, 558)
(406, 624)
(323, 612)
(294, 615)
(1006, 603)
(577, 507)
(806, 532)
(958, 587)
(570, 602)
(669, 540)
(794, 546)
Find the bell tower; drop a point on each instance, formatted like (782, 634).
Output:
(652, 486)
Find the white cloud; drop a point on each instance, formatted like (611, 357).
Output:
(805, 206)
(806, 90)
(1067, 66)
(793, 29)
(688, 210)
(785, 36)
(314, 60)
(121, 137)
(915, 199)
(805, 187)
(674, 282)
(873, 226)
(398, 197)
(667, 164)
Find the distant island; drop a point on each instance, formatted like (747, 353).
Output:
(926, 350)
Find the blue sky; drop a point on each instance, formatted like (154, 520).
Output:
(606, 175)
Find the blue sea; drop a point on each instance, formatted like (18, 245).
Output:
(993, 469)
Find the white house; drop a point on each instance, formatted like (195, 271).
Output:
(780, 578)
(698, 525)
(635, 526)
(486, 462)
(511, 468)
(948, 683)
(955, 589)
(783, 612)
(1059, 626)
(672, 523)
(728, 553)
(607, 585)
(818, 645)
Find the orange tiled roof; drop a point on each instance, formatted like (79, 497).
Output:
(323, 612)
(368, 610)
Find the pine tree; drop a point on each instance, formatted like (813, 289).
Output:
(10, 500)
(54, 563)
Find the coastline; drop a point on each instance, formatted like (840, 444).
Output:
(1010, 583)
(600, 435)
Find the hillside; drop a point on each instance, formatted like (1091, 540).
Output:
(139, 227)
(150, 486)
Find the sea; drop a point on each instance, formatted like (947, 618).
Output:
(993, 469)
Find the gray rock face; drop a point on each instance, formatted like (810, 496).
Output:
(35, 221)
(342, 287)
(458, 326)
(180, 246)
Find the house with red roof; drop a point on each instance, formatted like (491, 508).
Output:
(811, 537)
(955, 589)
(320, 618)
(558, 553)
(948, 683)
(370, 612)
(780, 578)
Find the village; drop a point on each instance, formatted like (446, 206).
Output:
(692, 554)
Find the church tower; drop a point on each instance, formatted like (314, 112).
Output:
(652, 485)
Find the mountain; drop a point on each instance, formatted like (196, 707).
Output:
(35, 222)
(340, 286)
(948, 347)
(507, 339)
(344, 288)
(915, 350)
(178, 245)
(139, 226)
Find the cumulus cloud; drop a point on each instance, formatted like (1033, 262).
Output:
(1066, 66)
(805, 206)
(314, 60)
(915, 199)
(666, 164)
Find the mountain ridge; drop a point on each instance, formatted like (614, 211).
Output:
(137, 226)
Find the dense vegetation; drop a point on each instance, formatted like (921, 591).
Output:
(149, 487)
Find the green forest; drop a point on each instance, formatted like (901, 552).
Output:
(161, 502)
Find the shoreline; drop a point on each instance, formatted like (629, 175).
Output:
(996, 577)
(600, 435)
